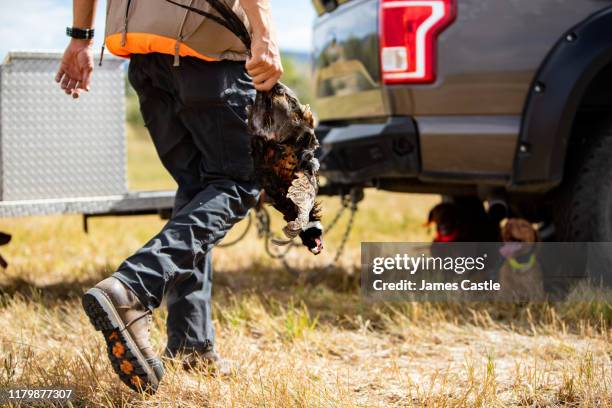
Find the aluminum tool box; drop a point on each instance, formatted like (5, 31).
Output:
(59, 155)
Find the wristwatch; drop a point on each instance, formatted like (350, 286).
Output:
(80, 33)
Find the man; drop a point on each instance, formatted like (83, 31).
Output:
(193, 88)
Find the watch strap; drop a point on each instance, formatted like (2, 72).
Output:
(80, 33)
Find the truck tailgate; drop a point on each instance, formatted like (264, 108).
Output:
(347, 62)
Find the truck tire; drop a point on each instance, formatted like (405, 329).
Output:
(583, 207)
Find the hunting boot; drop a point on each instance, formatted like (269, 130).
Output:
(125, 323)
(210, 361)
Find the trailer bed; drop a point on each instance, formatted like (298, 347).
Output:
(135, 202)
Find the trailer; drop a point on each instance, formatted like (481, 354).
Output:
(63, 156)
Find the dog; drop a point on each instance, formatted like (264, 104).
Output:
(520, 276)
(462, 221)
(445, 217)
(4, 240)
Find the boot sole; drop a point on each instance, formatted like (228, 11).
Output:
(126, 358)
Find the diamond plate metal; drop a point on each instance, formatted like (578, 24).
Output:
(90, 205)
(54, 147)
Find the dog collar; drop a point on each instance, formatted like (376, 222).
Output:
(452, 237)
(521, 267)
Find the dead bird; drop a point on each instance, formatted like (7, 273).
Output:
(283, 145)
(283, 148)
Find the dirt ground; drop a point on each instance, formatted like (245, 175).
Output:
(310, 342)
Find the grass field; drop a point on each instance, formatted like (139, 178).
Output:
(301, 343)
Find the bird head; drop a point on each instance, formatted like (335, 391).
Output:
(278, 115)
(312, 237)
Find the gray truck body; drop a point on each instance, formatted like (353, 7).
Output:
(471, 130)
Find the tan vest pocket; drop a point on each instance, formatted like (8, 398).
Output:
(115, 16)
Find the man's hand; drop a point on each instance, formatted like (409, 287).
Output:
(265, 65)
(74, 75)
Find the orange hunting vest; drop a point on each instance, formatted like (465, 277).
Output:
(147, 26)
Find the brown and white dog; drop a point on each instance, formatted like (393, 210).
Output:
(520, 276)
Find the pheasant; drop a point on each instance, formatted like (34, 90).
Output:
(283, 146)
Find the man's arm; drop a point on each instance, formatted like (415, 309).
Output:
(265, 65)
(74, 74)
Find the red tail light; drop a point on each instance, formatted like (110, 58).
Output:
(408, 33)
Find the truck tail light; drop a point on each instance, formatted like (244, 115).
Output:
(408, 33)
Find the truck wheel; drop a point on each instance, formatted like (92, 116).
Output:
(583, 209)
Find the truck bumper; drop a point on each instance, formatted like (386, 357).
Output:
(434, 150)
(359, 153)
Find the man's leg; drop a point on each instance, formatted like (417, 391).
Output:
(189, 322)
(171, 104)
(172, 255)
(120, 306)
(194, 131)
(171, 258)
(222, 136)
(112, 307)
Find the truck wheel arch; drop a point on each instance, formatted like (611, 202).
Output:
(554, 99)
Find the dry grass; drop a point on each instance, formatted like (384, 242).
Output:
(301, 343)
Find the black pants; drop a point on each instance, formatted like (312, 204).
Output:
(196, 116)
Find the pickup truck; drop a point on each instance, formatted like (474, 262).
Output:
(506, 101)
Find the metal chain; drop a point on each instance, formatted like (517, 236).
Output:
(346, 202)
(242, 236)
(264, 232)
(262, 217)
(350, 202)
(345, 237)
